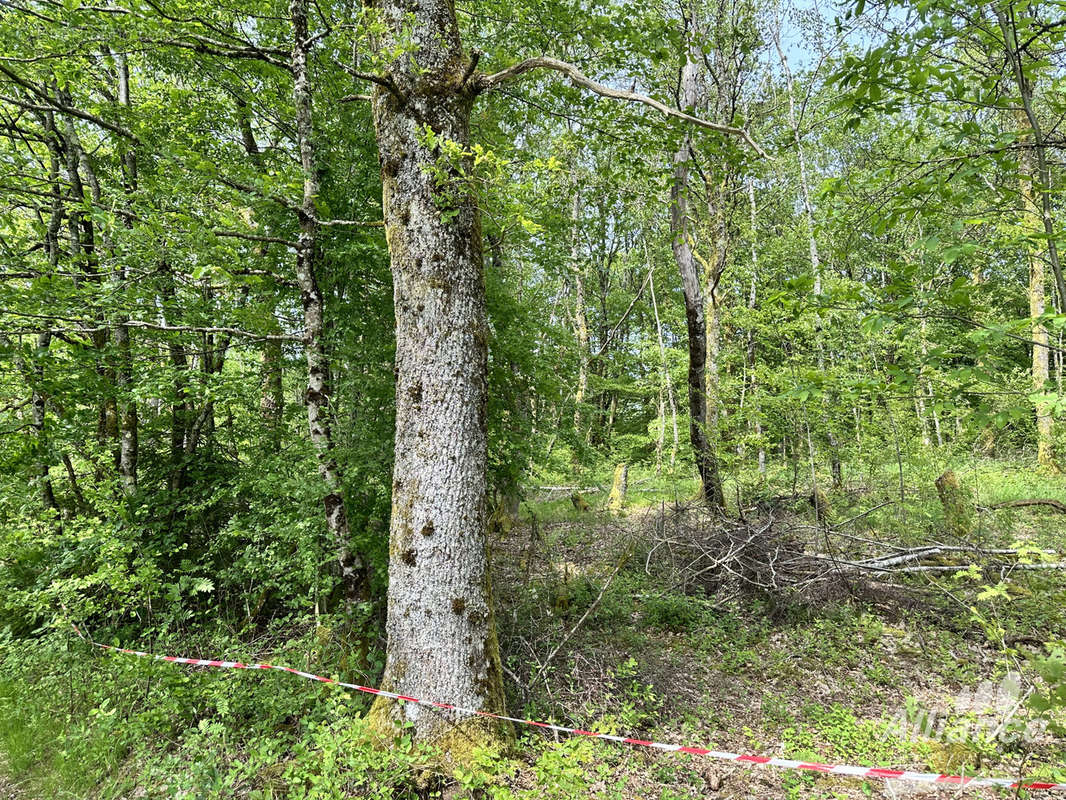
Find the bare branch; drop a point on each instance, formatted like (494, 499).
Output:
(256, 238)
(353, 223)
(54, 105)
(490, 82)
(381, 80)
(154, 326)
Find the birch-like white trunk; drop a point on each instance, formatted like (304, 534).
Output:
(353, 570)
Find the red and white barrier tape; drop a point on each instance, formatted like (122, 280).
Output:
(767, 761)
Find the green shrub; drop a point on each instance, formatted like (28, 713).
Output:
(672, 612)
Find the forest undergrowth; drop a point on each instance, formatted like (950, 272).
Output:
(606, 626)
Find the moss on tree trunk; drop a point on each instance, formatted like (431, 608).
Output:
(957, 504)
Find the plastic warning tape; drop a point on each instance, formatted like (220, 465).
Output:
(881, 773)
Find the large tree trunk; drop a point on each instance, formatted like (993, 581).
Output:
(353, 570)
(680, 229)
(441, 634)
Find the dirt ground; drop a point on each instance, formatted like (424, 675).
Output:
(822, 688)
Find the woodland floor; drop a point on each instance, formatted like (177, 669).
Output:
(813, 678)
(8, 789)
(819, 683)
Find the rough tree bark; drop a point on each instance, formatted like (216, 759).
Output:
(441, 636)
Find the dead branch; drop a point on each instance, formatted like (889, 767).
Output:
(493, 81)
(1058, 505)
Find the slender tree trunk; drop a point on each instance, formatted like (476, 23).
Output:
(581, 325)
(441, 634)
(1014, 54)
(750, 349)
(919, 410)
(836, 466)
(353, 570)
(805, 191)
(680, 229)
(75, 487)
(127, 406)
(37, 402)
(712, 274)
(665, 368)
(936, 415)
(179, 409)
(616, 501)
(34, 375)
(714, 354)
(127, 412)
(272, 394)
(660, 436)
(83, 246)
(1045, 434)
(1058, 364)
(927, 386)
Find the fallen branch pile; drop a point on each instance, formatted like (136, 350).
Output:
(697, 551)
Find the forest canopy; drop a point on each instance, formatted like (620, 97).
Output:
(468, 350)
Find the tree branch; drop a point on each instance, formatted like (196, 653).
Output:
(156, 326)
(381, 80)
(255, 238)
(54, 105)
(493, 81)
(270, 337)
(354, 223)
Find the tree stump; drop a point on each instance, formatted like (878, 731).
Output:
(579, 502)
(820, 504)
(957, 504)
(617, 499)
